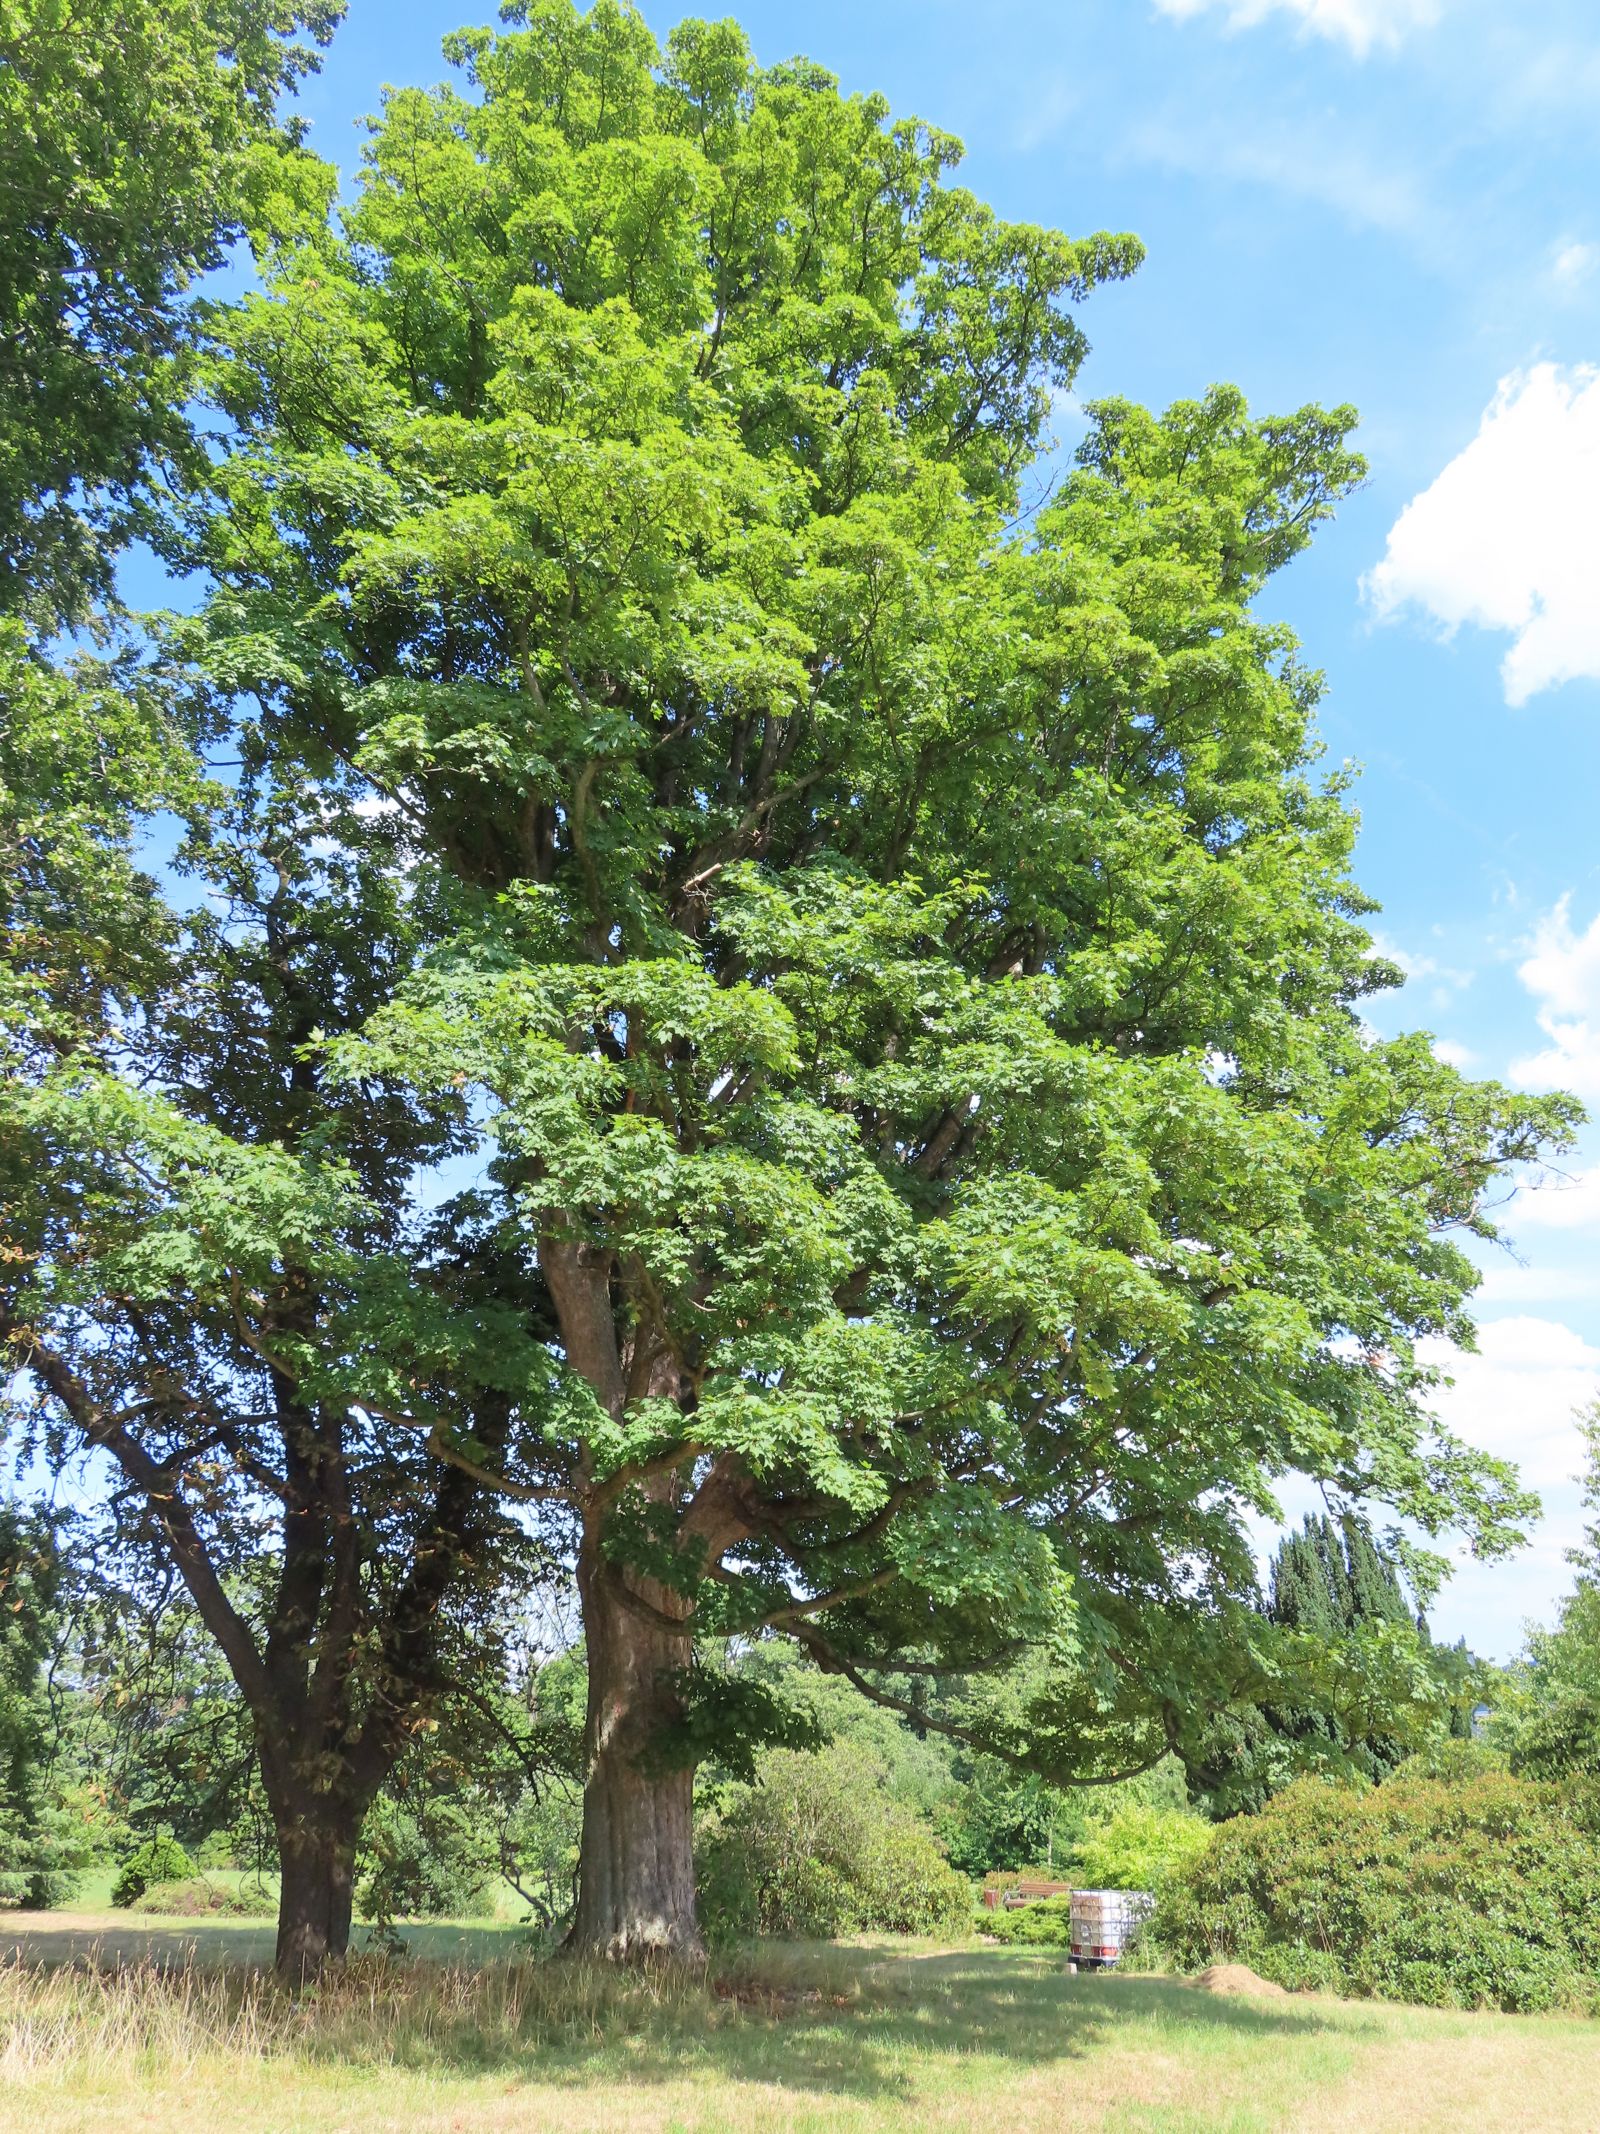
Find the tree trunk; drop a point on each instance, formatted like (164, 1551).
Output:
(316, 1851)
(636, 1856)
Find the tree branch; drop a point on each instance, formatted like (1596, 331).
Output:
(147, 1475)
(834, 1663)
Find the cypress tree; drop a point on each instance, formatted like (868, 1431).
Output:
(1374, 1583)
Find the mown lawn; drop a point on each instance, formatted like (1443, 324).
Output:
(887, 2035)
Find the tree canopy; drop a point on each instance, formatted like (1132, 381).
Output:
(727, 973)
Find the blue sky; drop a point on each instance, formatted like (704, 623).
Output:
(1394, 203)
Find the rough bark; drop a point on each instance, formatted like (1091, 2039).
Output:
(316, 1851)
(636, 1897)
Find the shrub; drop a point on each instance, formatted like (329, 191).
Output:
(156, 1860)
(816, 1847)
(1045, 1925)
(199, 1896)
(1479, 1890)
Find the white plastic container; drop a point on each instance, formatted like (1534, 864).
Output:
(1103, 1922)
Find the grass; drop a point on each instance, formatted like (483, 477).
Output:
(91, 1896)
(106, 1939)
(894, 2036)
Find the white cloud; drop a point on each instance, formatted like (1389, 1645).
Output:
(1518, 1395)
(1562, 972)
(1510, 1287)
(1358, 23)
(1508, 536)
(1326, 169)
(1573, 264)
(1461, 1057)
(1560, 1203)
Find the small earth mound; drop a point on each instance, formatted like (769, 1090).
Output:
(1236, 1978)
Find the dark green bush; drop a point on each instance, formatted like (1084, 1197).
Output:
(816, 1847)
(199, 1897)
(156, 1860)
(1469, 1891)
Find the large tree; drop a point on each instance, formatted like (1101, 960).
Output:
(736, 979)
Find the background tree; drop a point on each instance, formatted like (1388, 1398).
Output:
(1330, 1589)
(743, 991)
(136, 137)
(38, 1847)
(147, 1734)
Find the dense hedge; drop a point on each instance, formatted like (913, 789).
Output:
(1481, 1890)
(817, 1847)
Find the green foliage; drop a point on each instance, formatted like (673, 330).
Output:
(1357, 1683)
(43, 1842)
(158, 1859)
(1548, 1708)
(1326, 1579)
(1137, 1845)
(1128, 1842)
(1478, 1889)
(1555, 1729)
(919, 1766)
(488, 1792)
(147, 1717)
(732, 1717)
(1046, 1924)
(423, 1858)
(815, 1846)
(994, 1815)
(139, 137)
